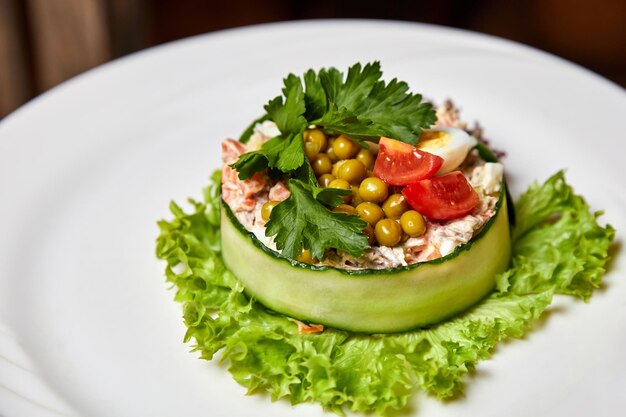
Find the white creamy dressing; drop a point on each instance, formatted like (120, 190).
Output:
(394, 255)
(488, 177)
(259, 232)
(262, 133)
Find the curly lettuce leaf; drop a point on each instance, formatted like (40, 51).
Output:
(557, 242)
(376, 373)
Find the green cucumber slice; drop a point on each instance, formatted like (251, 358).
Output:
(371, 301)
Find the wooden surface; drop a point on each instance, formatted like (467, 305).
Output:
(14, 71)
(70, 37)
(45, 42)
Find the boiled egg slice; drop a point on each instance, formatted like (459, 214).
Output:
(450, 143)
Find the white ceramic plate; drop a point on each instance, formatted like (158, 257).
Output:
(90, 328)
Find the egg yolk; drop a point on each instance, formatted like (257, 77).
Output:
(432, 140)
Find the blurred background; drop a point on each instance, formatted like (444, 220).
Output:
(44, 42)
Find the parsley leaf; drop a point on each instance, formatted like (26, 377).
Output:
(330, 196)
(357, 87)
(302, 221)
(285, 154)
(289, 116)
(282, 154)
(306, 174)
(314, 96)
(249, 163)
(366, 107)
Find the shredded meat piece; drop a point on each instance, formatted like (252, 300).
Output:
(431, 252)
(413, 248)
(239, 194)
(231, 151)
(448, 115)
(304, 328)
(279, 192)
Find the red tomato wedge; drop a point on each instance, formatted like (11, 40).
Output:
(399, 163)
(442, 198)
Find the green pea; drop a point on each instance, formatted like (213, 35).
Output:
(395, 205)
(344, 147)
(413, 223)
(317, 137)
(267, 208)
(321, 164)
(370, 212)
(373, 189)
(388, 232)
(352, 171)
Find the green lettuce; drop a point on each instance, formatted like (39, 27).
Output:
(558, 248)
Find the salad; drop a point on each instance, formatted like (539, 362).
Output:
(356, 247)
(418, 267)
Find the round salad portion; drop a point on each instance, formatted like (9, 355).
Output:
(431, 217)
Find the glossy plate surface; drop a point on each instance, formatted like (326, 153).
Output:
(88, 325)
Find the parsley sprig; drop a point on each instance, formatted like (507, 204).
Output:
(362, 106)
(302, 221)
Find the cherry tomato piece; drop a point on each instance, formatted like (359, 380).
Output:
(442, 198)
(399, 163)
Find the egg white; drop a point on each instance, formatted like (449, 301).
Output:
(450, 143)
